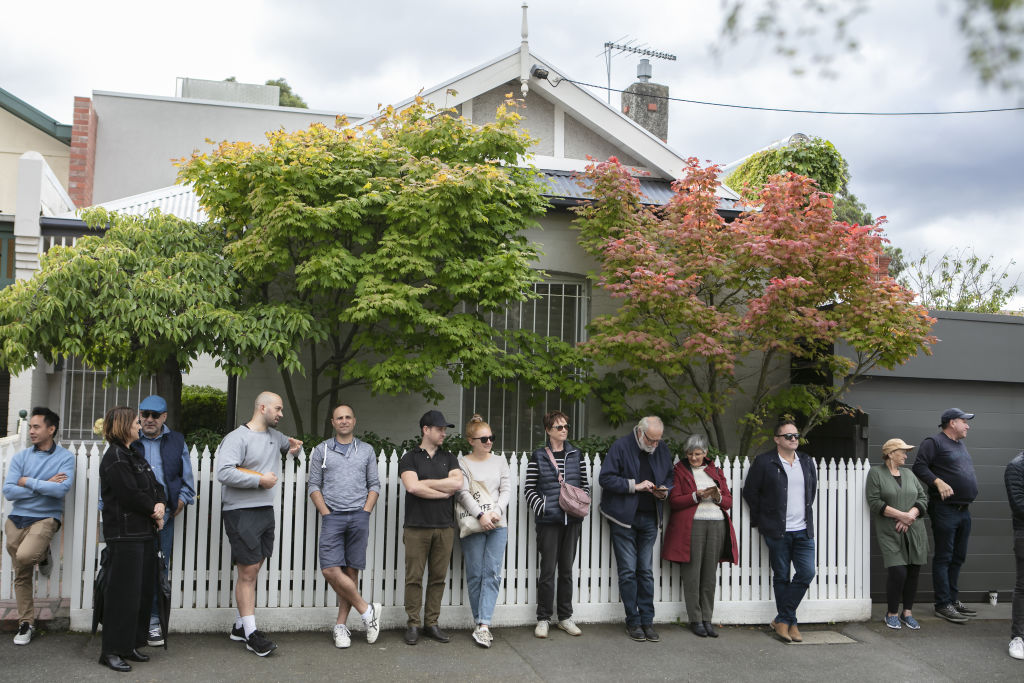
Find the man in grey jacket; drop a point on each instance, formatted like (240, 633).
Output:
(248, 463)
(344, 486)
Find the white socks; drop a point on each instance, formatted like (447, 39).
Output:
(249, 624)
(367, 614)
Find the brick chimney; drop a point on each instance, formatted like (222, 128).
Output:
(647, 103)
(83, 152)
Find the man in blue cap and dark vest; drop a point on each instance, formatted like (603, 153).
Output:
(167, 454)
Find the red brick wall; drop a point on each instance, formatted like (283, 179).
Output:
(83, 152)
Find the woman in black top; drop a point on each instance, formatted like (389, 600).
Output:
(133, 511)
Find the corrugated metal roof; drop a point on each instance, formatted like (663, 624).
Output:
(176, 200)
(657, 192)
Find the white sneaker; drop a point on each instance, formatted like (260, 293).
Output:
(155, 637)
(542, 628)
(570, 627)
(1016, 648)
(25, 631)
(373, 625)
(342, 637)
(482, 636)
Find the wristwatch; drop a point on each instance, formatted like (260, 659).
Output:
(480, 514)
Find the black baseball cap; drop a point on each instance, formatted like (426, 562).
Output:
(434, 418)
(953, 414)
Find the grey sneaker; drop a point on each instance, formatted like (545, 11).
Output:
(949, 613)
(46, 564)
(155, 637)
(964, 609)
(373, 625)
(24, 634)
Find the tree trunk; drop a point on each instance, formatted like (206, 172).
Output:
(168, 387)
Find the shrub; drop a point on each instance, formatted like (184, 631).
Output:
(202, 409)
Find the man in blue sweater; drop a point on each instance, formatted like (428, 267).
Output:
(167, 454)
(37, 481)
(945, 467)
(635, 478)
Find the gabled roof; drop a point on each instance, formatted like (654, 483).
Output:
(658, 158)
(35, 118)
(176, 200)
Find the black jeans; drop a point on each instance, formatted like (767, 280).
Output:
(557, 544)
(1017, 613)
(902, 583)
(129, 595)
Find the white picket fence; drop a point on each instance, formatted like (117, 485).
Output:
(293, 595)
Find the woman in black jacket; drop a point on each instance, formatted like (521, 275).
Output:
(133, 511)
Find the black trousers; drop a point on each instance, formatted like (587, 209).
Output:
(129, 596)
(1017, 610)
(902, 583)
(557, 544)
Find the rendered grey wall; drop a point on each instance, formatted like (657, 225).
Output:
(976, 367)
(137, 137)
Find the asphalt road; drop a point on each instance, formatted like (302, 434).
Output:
(867, 652)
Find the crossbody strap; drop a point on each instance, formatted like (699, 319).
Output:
(555, 463)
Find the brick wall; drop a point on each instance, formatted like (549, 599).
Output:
(83, 152)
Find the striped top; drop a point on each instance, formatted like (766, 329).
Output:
(533, 497)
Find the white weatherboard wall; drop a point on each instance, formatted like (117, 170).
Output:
(292, 595)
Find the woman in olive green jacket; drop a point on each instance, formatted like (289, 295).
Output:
(897, 500)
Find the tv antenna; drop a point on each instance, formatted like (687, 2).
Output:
(614, 49)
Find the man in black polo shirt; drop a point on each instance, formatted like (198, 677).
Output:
(945, 467)
(431, 476)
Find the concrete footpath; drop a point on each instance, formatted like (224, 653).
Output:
(940, 651)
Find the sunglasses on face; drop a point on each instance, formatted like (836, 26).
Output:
(561, 428)
(149, 414)
(790, 437)
(485, 439)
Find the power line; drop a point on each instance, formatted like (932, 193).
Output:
(805, 111)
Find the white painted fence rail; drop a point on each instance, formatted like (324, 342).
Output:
(293, 595)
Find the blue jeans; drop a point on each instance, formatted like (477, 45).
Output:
(795, 548)
(485, 555)
(166, 543)
(634, 550)
(951, 527)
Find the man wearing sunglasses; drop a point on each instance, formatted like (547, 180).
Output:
(167, 454)
(779, 489)
(635, 478)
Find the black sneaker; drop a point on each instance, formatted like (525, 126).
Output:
(237, 633)
(649, 633)
(260, 644)
(964, 609)
(949, 613)
(636, 633)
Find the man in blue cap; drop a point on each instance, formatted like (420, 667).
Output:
(167, 454)
(945, 467)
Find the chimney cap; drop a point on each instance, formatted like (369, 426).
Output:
(643, 70)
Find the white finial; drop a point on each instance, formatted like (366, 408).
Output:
(524, 56)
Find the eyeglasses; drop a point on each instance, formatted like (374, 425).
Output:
(560, 428)
(649, 439)
(485, 439)
(150, 414)
(790, 437)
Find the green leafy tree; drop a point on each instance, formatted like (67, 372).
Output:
(389, 244)
(288, 97)
(960, 280)
(814, 158)
(145, 299)
(713, 313)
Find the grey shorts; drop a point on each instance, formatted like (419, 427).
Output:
(343, 538)
(250, 533)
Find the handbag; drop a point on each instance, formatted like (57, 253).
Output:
(572, 499)
(468, 524)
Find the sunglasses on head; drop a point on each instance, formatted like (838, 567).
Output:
(149, 414)
(485, 439)
(791, 437)
(561, 428)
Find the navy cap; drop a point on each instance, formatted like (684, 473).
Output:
(154, 403)
(434, 418)
(953, 414)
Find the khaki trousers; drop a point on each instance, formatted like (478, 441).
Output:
(430, 549)
(27, 548)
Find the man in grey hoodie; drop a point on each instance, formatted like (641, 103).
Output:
(344, 486)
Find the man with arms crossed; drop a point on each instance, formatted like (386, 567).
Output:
(431, 476)
(37, 480)
(248, 463)
(344, 486)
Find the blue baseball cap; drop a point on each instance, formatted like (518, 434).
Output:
(154, 403)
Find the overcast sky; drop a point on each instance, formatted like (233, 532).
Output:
(943, 181)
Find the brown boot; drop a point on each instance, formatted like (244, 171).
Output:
(794, 633)
(781, 631)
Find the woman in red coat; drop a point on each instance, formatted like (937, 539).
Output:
(699, 534)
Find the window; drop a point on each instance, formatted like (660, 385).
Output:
(516, 414)
(84, 399)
